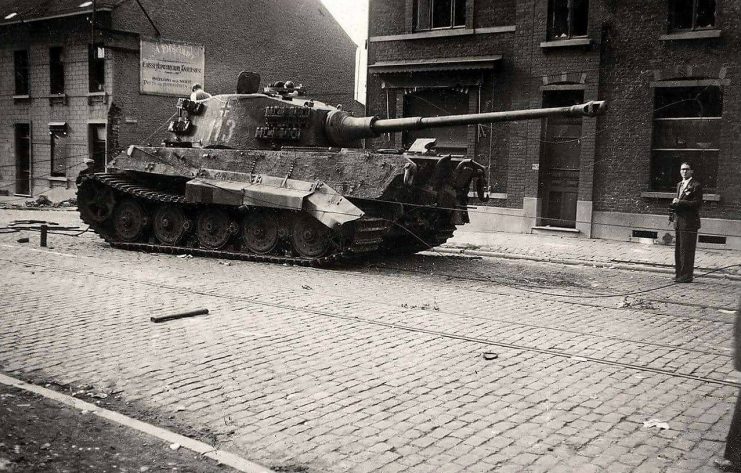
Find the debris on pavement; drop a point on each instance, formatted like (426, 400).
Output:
(636, 304)
(174, 446)
(306, 286)
(179, 315)
(23, 240)
(490, 355)
(185, 256)
(656, 423)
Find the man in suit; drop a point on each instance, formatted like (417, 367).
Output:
(686, 212)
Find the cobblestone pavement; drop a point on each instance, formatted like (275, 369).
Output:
(379, 367)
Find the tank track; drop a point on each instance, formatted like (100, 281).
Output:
(366, 240)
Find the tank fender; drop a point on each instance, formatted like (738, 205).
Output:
(255, 190)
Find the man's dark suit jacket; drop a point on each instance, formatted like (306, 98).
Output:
(687, 209)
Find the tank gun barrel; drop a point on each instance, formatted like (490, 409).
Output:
(589, 109)
(343, 128)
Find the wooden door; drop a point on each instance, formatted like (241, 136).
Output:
(560, 163)
(560, 177)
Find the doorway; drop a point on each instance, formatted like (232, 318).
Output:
(97, 148)
(23, 159)
(560, 161)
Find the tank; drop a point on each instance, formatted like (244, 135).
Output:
(274, 176)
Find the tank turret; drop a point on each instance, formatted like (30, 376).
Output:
(280, 177)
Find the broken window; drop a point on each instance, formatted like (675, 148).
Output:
(439, 14)
(96, 68)
(692, 14)
(21, 72)
(567, 18)
(686, 128)
(56, 71)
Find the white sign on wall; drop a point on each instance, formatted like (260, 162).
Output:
(170, 67)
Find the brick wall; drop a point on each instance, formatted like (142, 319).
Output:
(279, 39)
(624, 57)
(40, 110)
(632, 57)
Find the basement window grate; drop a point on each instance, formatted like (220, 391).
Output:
(716, 240)
(645, 234)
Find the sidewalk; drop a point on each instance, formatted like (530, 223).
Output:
(585, 251)
(40, 433)
(579, 251)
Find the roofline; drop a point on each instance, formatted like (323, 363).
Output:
(61, 15)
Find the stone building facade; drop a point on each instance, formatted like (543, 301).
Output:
(70, 73)
(669, 70)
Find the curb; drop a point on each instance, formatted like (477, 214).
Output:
(221, 456)
(631, 266)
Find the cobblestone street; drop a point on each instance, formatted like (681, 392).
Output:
(379, 367)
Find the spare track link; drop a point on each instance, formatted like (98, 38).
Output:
(368, 235)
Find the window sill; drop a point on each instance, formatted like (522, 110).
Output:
(57, 178)
(97, 98)
(566, 43)
(671, 195)
(443, 33)
(700, 34)
(492, 195)
(22, 97)
(57, 99)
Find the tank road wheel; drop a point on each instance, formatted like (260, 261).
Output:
(309, 238)
(260, 232)
(214, 228)
(96, 201)
(130, 220)
(170, 224)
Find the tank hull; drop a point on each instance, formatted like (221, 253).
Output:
(312, 207)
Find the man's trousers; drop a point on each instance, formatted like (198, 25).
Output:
(684, 253)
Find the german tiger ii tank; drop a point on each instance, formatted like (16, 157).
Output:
(274, 176)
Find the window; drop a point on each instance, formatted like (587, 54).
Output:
(97, 146)
(96, 68)
(692, 15)
(567, 18)
(58, 153)
(21, 72)
(23, 159)
(433, 103)
(56, 71)
(439, 14)
(686, 128)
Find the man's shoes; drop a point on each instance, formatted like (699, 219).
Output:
(683, 280)
(726, 465)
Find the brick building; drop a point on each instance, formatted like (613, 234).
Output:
(670, 71)
(71, 85)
